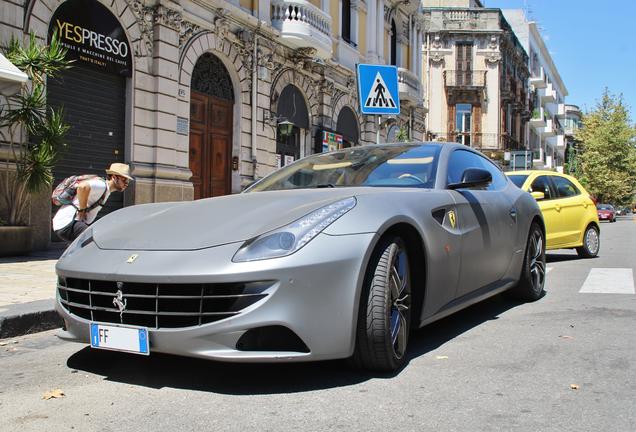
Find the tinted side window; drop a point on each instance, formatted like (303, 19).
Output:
(499, 179)
(518, 180)
(542, 184)
(460, 160)
(565, 188)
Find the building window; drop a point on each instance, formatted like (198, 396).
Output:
(463, 117)
(464, 64)
(346, 21)
(394, 46)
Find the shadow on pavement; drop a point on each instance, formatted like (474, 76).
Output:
(45, 255)
(559, 257)
(161, 370)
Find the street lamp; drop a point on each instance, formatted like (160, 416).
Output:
(285, 128)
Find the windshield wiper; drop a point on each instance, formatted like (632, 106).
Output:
(325, 185)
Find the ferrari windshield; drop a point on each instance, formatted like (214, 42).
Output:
(395, 165)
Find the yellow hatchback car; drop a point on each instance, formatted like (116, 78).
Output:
(568, 210)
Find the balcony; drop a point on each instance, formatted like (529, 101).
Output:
(537, 120)
(409, 87)
(547, 94)
(537, 79)
(465, 86)
(486, 142)
(560, 111)
(303, 25)
(549, 130)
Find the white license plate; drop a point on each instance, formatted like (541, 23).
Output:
(120, 338)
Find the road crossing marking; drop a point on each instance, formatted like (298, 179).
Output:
(609, 281)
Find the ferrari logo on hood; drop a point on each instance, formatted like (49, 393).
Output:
(452, 219)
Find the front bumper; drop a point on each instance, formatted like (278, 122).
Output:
(315, 295)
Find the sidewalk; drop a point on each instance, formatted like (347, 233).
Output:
(27, 293)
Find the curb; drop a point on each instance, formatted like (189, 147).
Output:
(32, 317)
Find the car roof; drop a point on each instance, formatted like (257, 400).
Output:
(528, 172)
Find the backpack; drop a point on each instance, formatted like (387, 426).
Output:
(65, 192)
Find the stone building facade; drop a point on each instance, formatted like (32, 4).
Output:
(476, 74)
(218, 93)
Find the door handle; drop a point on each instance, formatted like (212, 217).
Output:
(557, 208)
(584, 204)
(513, 213)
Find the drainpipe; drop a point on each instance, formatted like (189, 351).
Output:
(428, 82)
(255, 99)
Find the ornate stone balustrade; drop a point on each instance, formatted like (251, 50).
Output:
(303, 25)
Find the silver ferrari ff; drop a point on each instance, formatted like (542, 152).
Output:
(338, 255)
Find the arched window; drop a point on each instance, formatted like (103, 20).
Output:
(212, 78)
(347, 126)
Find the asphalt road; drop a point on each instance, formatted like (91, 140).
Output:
(564, 363)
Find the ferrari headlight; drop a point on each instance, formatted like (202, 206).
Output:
(82, 240)
(290, 238)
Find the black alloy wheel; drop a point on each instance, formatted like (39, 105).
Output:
(385, 309)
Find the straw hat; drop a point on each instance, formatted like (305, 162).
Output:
(119, 169)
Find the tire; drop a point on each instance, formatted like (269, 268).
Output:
(532, 278)
(591, 243)
(384, 316)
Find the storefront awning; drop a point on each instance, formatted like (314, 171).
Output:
(11, 78)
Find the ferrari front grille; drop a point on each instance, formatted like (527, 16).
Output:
(157, 305)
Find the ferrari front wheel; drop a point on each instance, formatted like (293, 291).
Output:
(384, 317)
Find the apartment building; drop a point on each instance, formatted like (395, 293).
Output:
(476, 77)
(545, 132)
(201, 97)
(572, 123)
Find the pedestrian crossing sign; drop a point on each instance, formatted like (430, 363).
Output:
(378, 89)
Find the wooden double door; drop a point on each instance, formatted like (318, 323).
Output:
(210, 145)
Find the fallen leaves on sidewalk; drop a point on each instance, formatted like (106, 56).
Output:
(566, 337)
(574, 386)
(8, 342)
(441, 357)
(57, 393)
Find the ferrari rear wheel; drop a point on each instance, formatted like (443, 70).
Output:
(385, 309)
(532, 280)
(591, 243)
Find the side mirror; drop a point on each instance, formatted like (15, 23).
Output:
(537, 195)
(473, 178)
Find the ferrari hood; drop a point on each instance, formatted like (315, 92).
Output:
(208, 222)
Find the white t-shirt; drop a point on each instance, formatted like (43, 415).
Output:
(67, 213)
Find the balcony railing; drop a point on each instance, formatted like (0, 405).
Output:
(303, 25)
(549, 129)
(465, 79)
(409, 86)
(547, 94)
(486, 142)
(537, 79)
(537, 120)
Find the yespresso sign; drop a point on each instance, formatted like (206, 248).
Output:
(92, 35)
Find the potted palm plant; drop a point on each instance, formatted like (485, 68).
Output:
(31, 138)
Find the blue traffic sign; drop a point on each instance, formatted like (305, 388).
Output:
(378, 89)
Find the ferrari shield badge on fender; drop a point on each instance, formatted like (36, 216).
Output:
(452, 219)
(131, 259)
